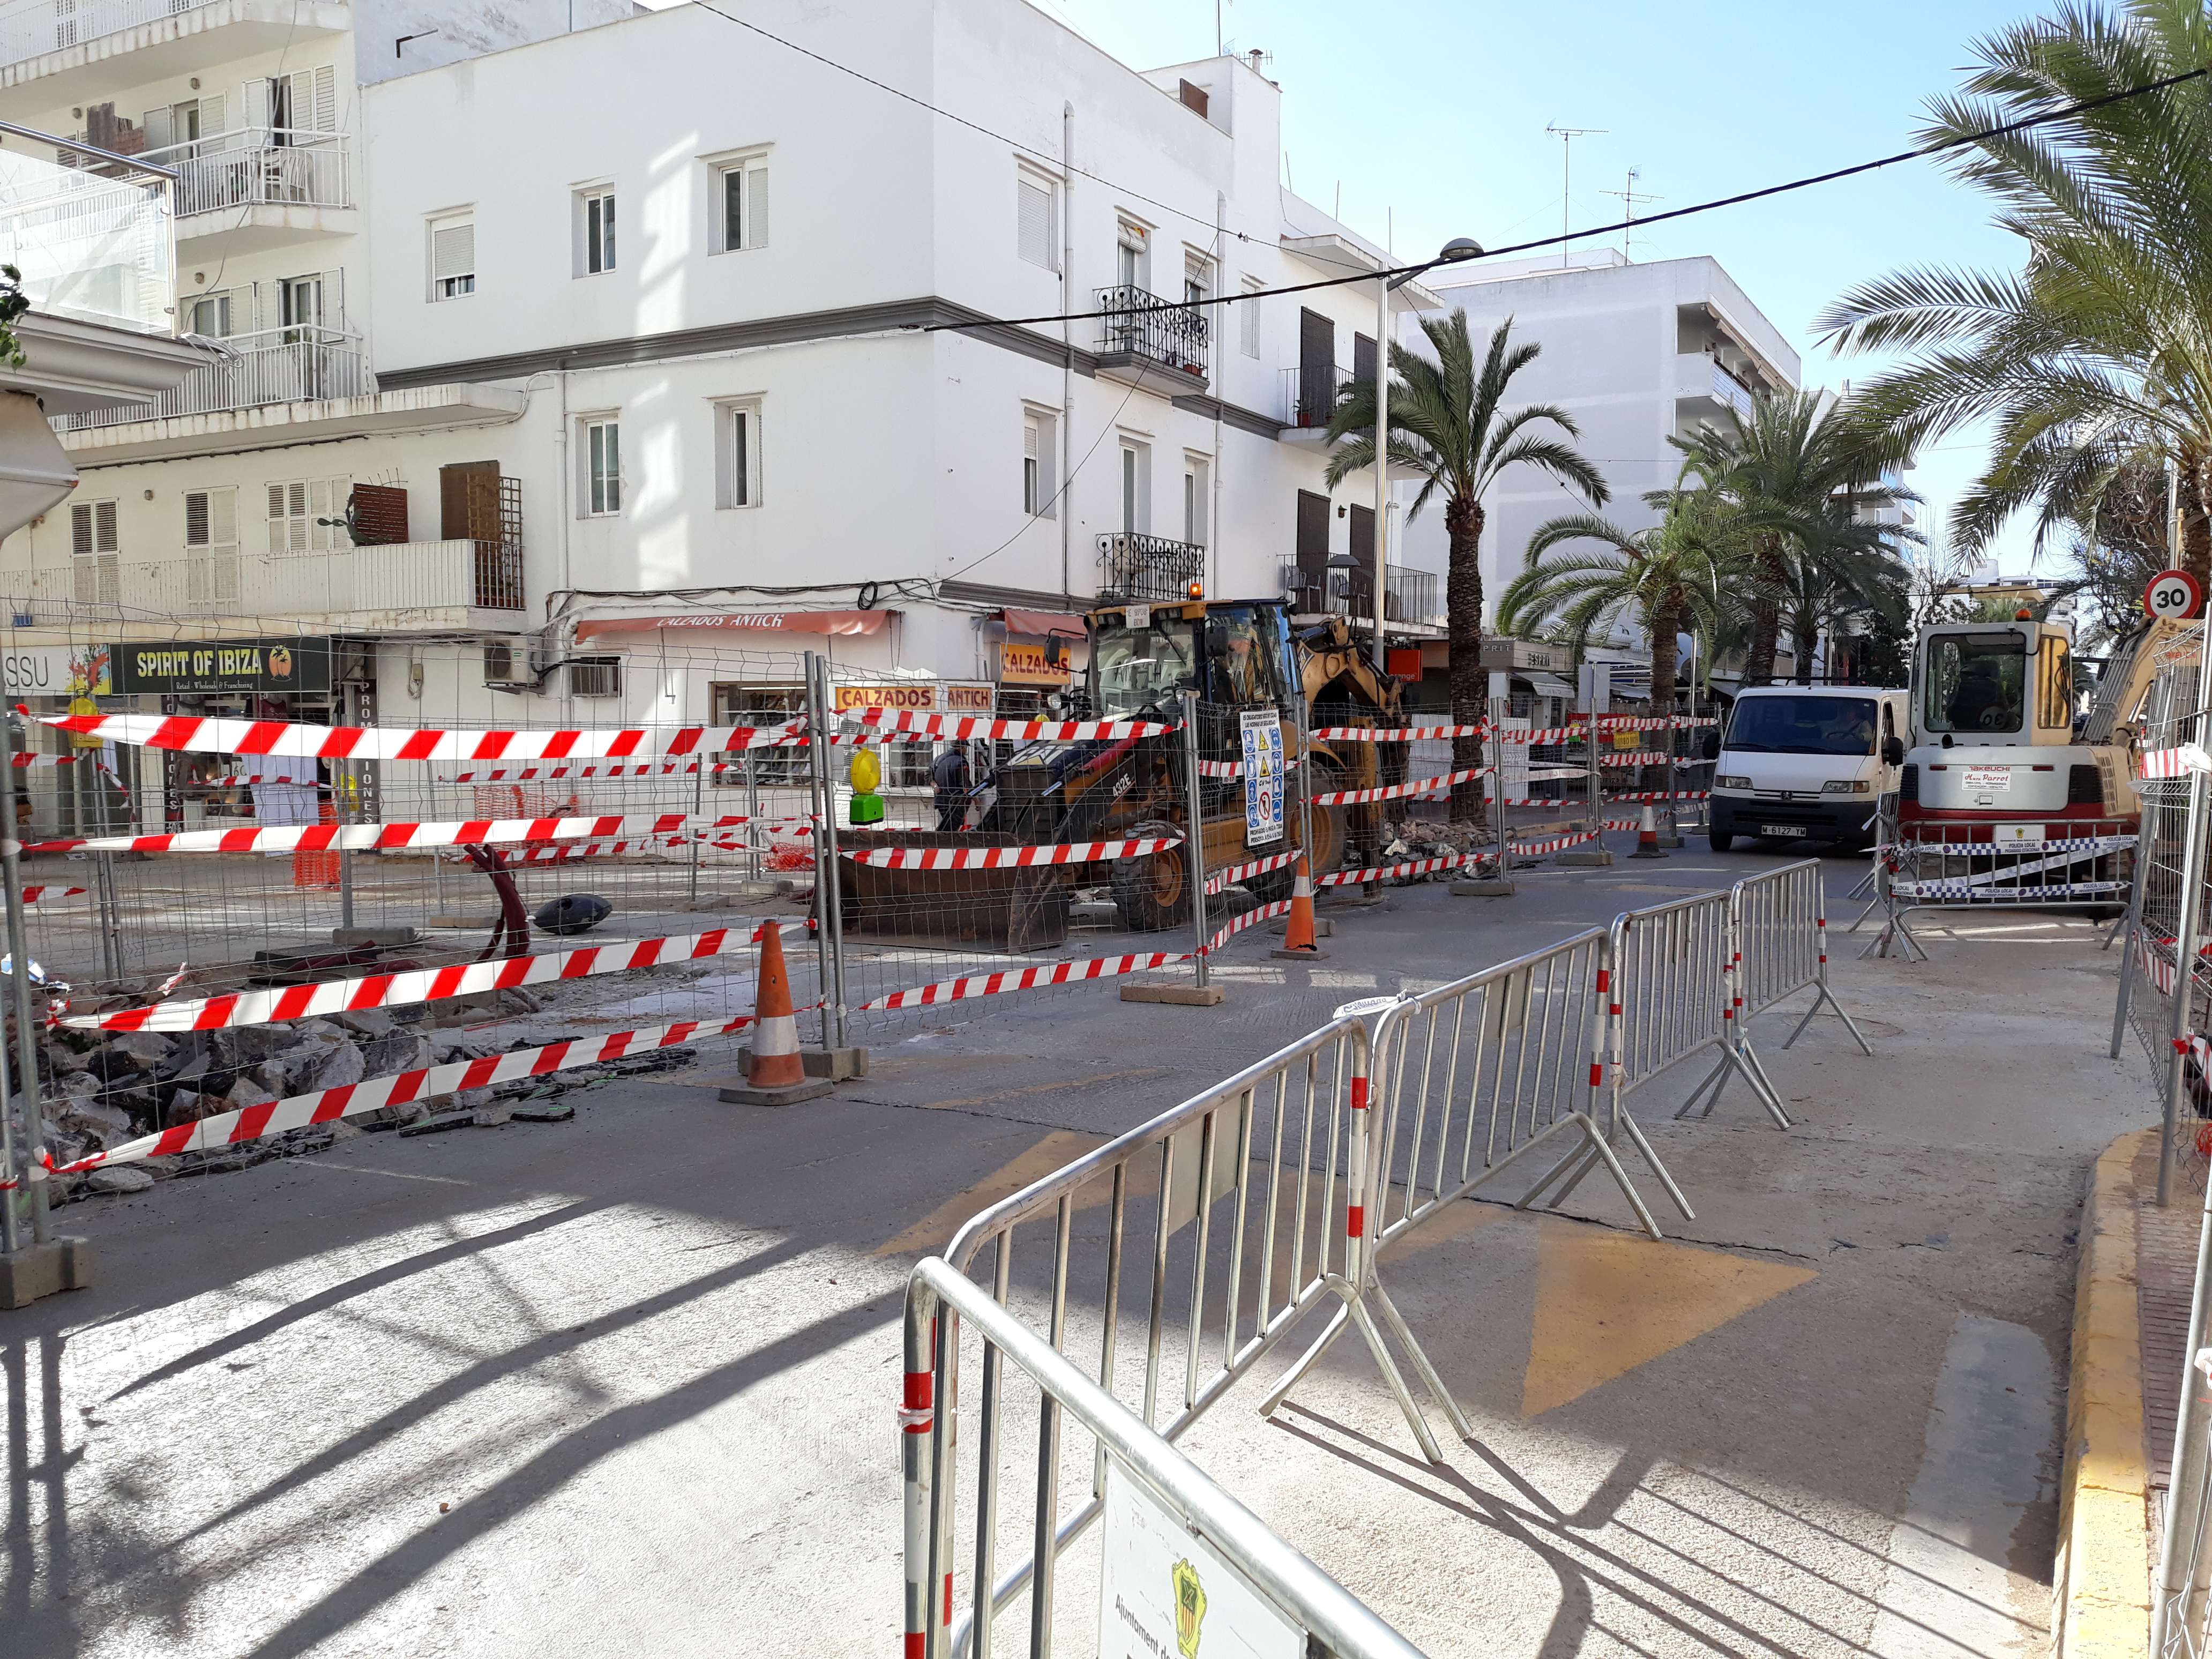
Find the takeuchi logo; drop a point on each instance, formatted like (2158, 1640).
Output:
(1189, 1605)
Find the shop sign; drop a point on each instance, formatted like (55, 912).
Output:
(57, 670)
(1023, 662)
(970, 699)
(271, 667)
(916, 696)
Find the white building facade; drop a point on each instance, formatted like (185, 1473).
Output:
(543, 339)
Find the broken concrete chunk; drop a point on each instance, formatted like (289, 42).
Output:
(364, 1022)
(118, 1178)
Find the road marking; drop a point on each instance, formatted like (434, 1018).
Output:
(370, 1169)
(1041, 1088)
(1946, 1592)
(1606, 1303)
(934, 1231)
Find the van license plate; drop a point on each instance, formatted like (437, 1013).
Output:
(1781, 828)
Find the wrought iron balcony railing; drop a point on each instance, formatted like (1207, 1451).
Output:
(275, 365)
(1409, 597)
(1139, 566)
(1144, 325)
(1310, 391)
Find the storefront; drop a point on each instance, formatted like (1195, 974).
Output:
(1037, 657)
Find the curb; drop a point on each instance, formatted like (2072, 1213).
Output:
(2100, 1581)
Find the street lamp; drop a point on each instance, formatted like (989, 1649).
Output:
(1460, 247)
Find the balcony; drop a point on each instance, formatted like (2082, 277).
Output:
(406, 586)
(1706, 388)
(1150, 568)
(1145, 341)
(1410, 598)
(1307, 399)
(275, 365)
(78, 50)
(259, 188)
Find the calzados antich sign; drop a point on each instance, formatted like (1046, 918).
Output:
(271, 667)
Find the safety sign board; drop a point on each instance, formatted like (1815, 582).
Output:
(1261, 730)
(1164, 1592)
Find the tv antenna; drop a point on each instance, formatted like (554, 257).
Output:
(1629, 198)
(1566, 136)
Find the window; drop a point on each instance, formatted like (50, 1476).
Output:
(2054, 682)
(211, 546)
(307, 515)
(211, 316)
(1039, 479)
(1804, 723)
(1037, 200)
(739, 204)
(595, 232)
(1247, 321)
(761, 705)
(595, 676)
(93, 545)
(1195, 470)
(602, 458)
(738, 453)
(453, 256)
(1976, 682)
(1132, 244)
(1136, 488)
(1197, 278)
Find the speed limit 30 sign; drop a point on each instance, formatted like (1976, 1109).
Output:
(2173, 594)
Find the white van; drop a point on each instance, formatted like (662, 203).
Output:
(1807, 763)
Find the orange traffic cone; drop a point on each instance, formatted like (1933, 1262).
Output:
(1297, 944)
(775, 1073)
(1647, 837)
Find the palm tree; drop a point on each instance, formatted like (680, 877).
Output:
(1828, 593)
(1448, 422)
(2096, 357)
(1680, 574)
(1799, 467)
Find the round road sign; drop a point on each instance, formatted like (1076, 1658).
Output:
(2173, 594)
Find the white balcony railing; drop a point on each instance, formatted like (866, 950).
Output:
(410, 576)
(35, 27)
(276, 366)
(95, 246)
(258, 166)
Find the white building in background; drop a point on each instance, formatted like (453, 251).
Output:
(1636, 353)
(578, 341)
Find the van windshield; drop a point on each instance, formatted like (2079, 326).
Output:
(1807, 725)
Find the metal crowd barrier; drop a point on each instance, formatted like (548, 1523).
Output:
(1333, 1620)
(1997, 864)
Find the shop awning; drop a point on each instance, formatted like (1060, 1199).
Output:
(1044, 625)
(750, 621)
(1548, 685)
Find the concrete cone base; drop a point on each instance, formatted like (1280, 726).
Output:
(745, 1095)
(1187, 996)
(37, 1270)
(1283, 954)
(1593, 858)
(1647, 853)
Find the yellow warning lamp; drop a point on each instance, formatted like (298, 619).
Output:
(1198, 589)
(867, 774)
(2023, 614)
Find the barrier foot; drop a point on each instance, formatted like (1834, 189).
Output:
(1352, 1311)
(1741, 1060)
(1849, 1024)
(1337, 1323)
(1430, 1378)
(1718, 1075)
(1414, 1420)
(1593, 1146)
(1651, 1162)
(2119, 924)
(1769, 1096)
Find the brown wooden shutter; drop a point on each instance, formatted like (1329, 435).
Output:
(380, 515)
(468, 502)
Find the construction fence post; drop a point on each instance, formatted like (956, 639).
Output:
(19, 963)
(828, 920)
(1193, 844)
(2185, 983)
(1500, 885)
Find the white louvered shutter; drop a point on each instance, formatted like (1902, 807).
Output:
(324, 103)
(288, 517)
(160, 128)
(757, 207)
(211, 115)
(1036, 226)
(253, 103)
(453, 249)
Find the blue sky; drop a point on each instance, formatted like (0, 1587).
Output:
(1431, 115)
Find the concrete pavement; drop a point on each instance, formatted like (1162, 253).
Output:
(629, 1380)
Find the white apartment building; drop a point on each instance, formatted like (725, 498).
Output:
(1636, 353)
(581, 343)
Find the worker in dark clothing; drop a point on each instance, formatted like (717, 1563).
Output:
(949, 775)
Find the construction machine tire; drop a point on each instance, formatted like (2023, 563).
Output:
(1152, 892)
(1332, 825)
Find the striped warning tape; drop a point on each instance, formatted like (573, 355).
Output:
(1026, 979)
(643, 770)
(1633, 757)
(1207, 769)
(2173, 763)
(201, 735)
(961, 726)
(1396, 734)
(336, 996)
(1395, 791)
(1537, 849)
(34, 895)
(1414, 867)
(1236, 872)
(1250, 919)
(28, 758)
(997, 858)
(370, 838)
(347, 1100)
(1661, 794)
(609, 848)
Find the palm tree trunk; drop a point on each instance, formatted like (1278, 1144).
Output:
(1805, 629)
(1665, 623)
(1470, 684)
(1768, 577)
(2194, 489)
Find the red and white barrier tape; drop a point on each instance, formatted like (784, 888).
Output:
(371, 838)
(1633, 757)
(1026, 979)
(1537, 848)
(1250, 919)
(958, 727)
(999, 857)
(32, 895)
(607, 848)
(324, 1105)
(29, 759)
(236, 737)
(1396, 734)
(1207, 769)
(2173, 763)
(1430, 786)
(335, 996)
(1661, 794)
(1236, 872)
(1414, 867)
(644, 770)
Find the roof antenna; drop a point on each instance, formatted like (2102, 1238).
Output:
(1566, 136)
(1629, 198)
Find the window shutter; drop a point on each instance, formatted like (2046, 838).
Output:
(319, 508)
(1029, 441)
(255, 102)
(211, 115)
(756, 208)
(80, 528)
(327, 102)
(221, 517)
(103, 526)
(453, 249)
(160, 128)
(741, 460)
(1036, 226)
(196, 518)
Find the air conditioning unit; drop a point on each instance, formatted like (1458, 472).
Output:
(507, 666)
